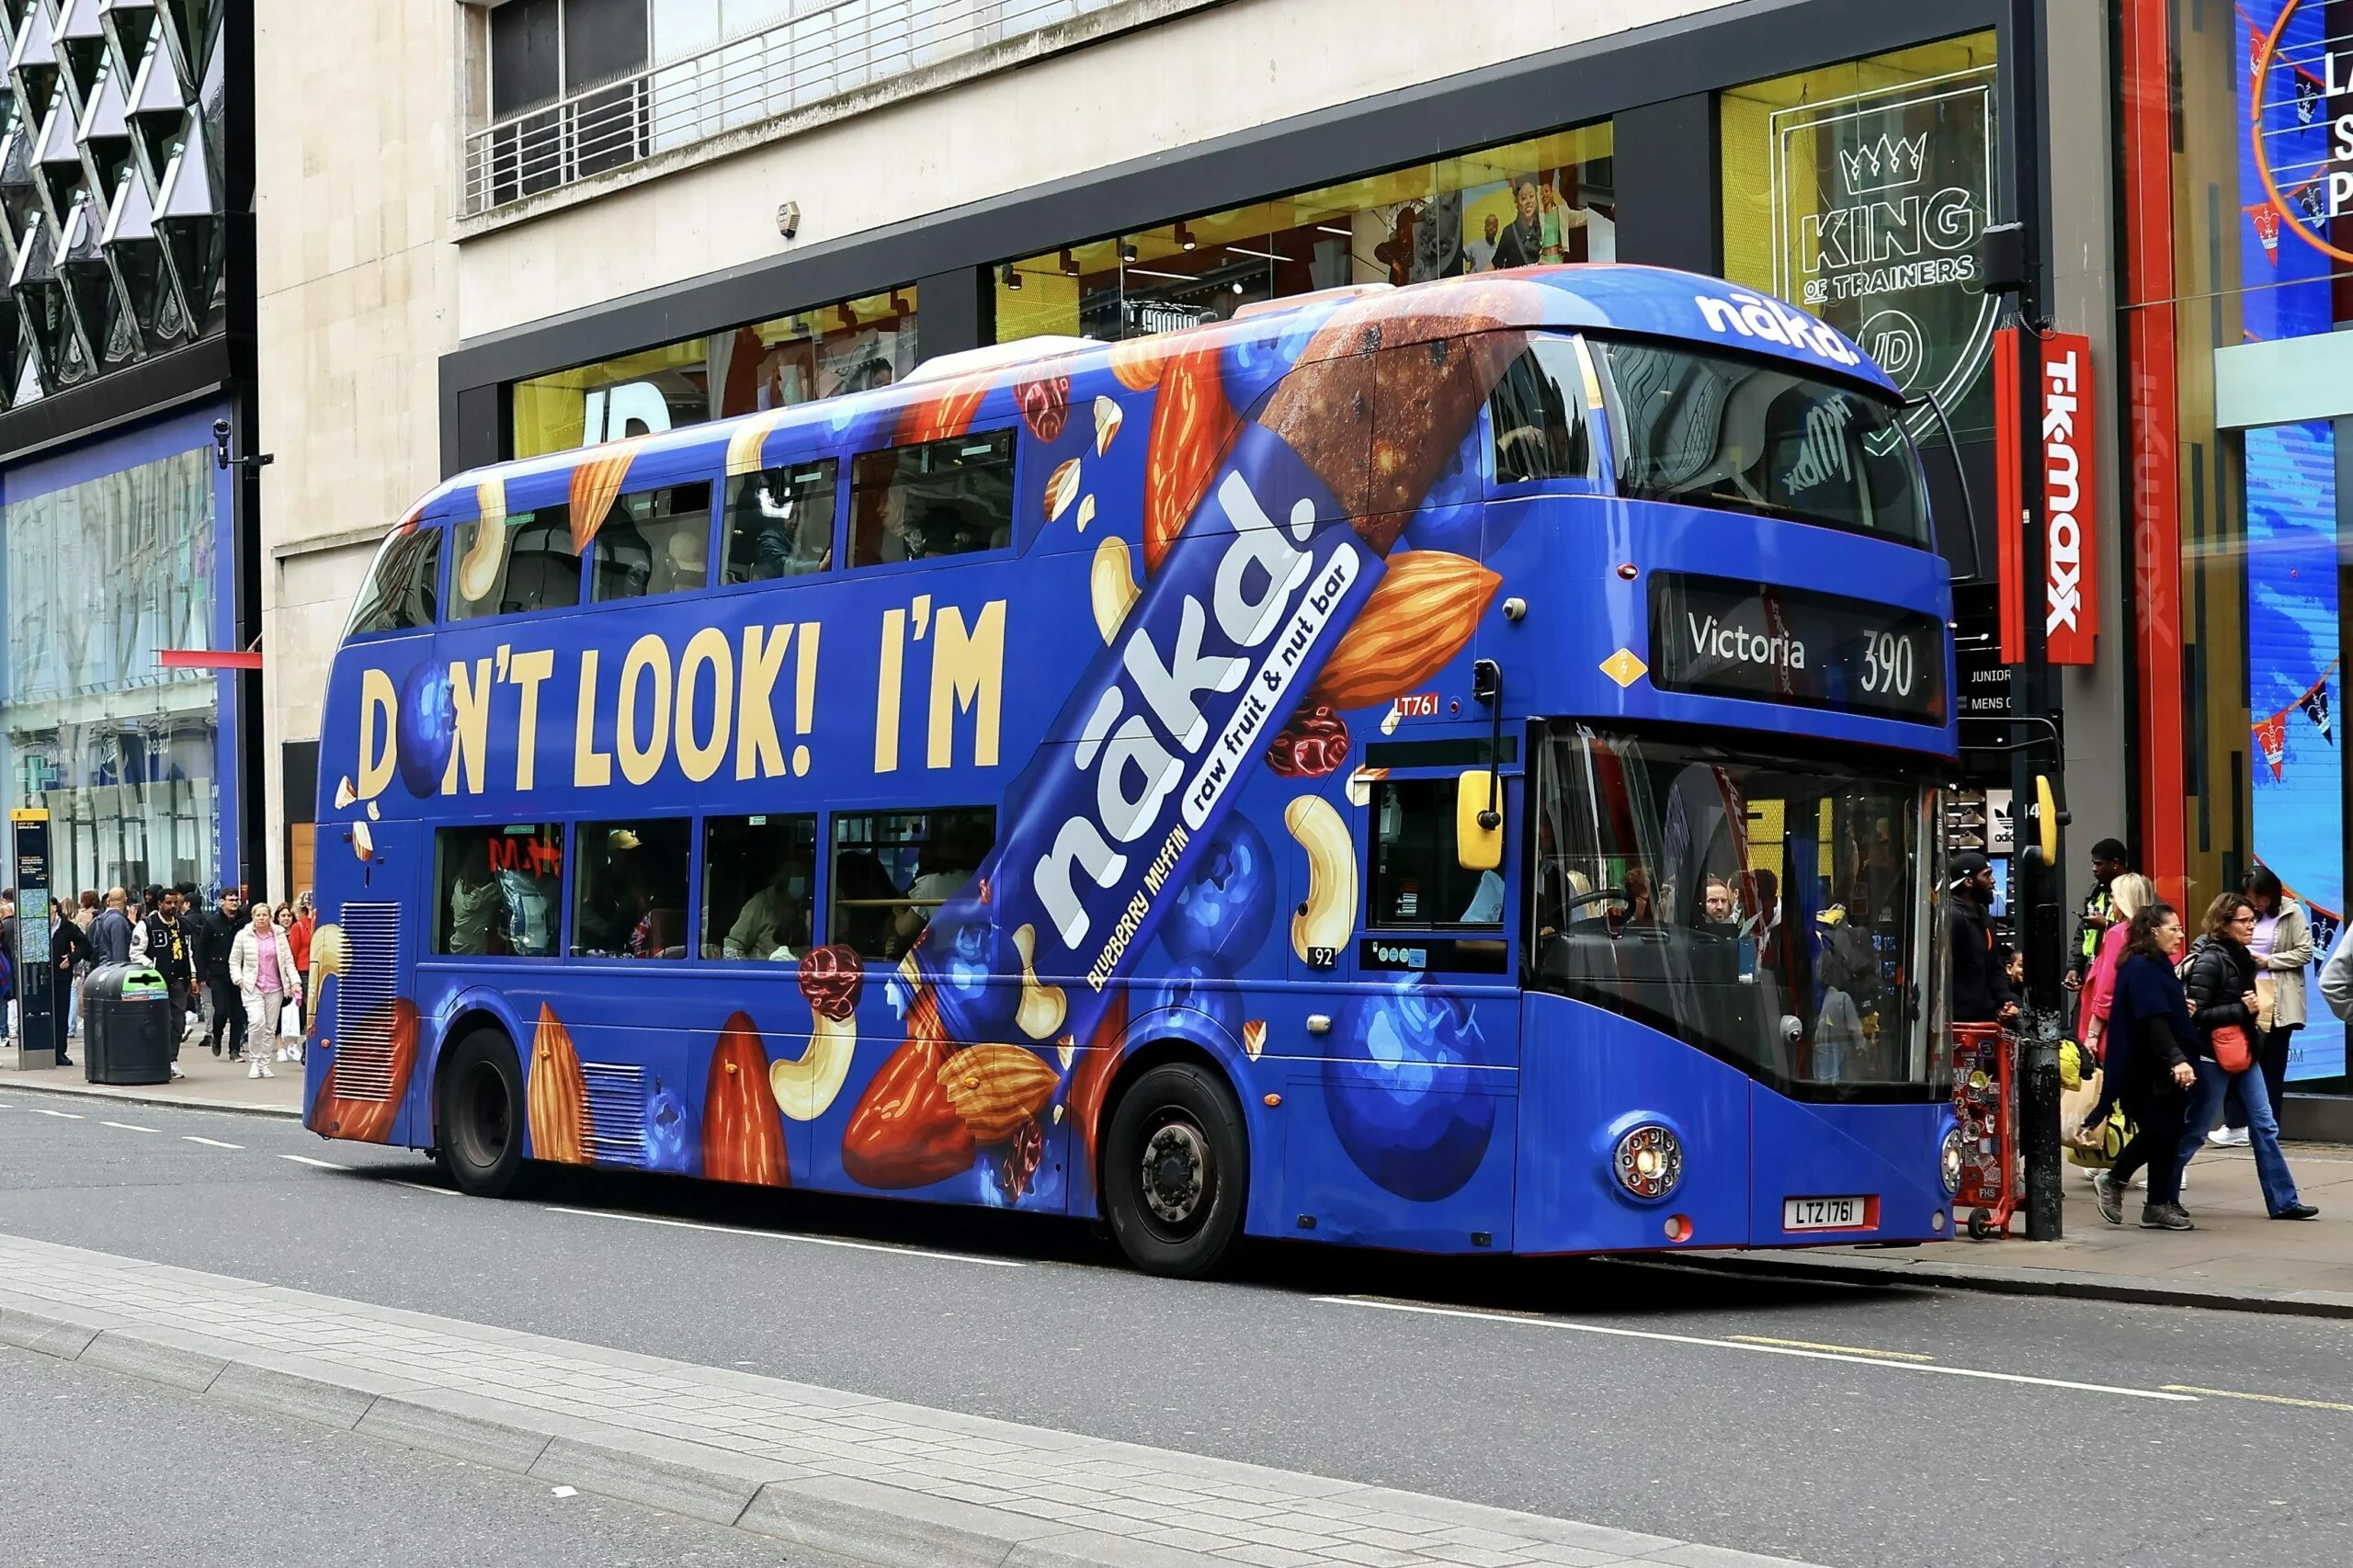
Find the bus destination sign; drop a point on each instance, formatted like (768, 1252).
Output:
(1718, 637)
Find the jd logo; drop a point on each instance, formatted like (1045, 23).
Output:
(1878, 199)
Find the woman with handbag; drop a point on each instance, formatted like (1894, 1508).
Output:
(2283, 947)
(262, 968)
(2150, 1041)
(2219, 979)
(2129, 893)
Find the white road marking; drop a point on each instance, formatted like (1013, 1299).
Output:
(207, 1142)
(426, 1187)
(1758, 1349)
(61, 1115)
(306, 1159)
(2260, 1398)
(789, 1236)
(127, 1127)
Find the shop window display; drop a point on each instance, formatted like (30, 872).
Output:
(1549, 199)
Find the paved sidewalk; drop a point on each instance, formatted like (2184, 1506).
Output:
(2237, 1257)
(859, 1477)
(213, 1083)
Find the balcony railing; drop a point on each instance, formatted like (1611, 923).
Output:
(825, 51)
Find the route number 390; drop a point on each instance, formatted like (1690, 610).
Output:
(1887, 665)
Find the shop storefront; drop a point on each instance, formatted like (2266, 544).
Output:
(2238, 141)
(111, 553)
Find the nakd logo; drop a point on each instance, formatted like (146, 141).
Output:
(1762, 317)
(2064, 458)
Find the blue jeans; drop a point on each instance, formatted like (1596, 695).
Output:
(2206, 1100)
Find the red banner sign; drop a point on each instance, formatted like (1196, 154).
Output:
(2070, 611)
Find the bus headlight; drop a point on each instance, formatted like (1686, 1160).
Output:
(1648, 1161)
(1948, 1162)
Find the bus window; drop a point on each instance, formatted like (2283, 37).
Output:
(947, 497)
(1417, 882)
(499, 889)
(655, 541)
(758, 876)
(523, 564)
(781, 522)
(893, 868)
(401, 585)
(1754, 436)
(629, 895)
(1538, 414)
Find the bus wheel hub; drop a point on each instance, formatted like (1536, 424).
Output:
(1174, 1161)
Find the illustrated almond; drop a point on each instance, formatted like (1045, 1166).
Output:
(1253, 1036)
(742, 1138)
(346, 797)
(946, 413)
(1191, 422)
(1086, 512)
(1090, 1083)
(1107, 420)
(386, 1038)
(363, 843)
(596, 483)
(1061, 489)
(995, 1088)
(557, 1094)
(906, 1133)
(1420, 615)
(1112, 584)
(1136, 362)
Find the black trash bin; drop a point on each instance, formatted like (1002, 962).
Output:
(126, 1024)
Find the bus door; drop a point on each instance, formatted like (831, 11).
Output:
(1414, 1079)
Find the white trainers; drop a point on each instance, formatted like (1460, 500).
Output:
(176, 1073)
(2230, 1138)
(264, 1070)
(254, 1069)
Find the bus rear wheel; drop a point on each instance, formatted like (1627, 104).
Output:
(1175, 1176)
(480, 1114)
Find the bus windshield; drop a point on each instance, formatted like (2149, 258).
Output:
(1778, 914)
(1754, 436)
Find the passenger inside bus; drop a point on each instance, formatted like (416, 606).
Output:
(477, 904)
(654, 543)
(947, 863)
(631, 897)
(781, 522)
(932, 499)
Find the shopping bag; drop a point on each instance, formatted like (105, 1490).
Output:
(289, 1019)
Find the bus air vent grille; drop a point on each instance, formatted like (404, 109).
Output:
(363, 1002)
(616, 1113)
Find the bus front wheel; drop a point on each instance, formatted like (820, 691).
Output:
(481, 1144)
(1174, 1171)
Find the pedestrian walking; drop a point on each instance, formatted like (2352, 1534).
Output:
(222, 927)
(1979, 992)
(2220, 979)
(2128, 895)
(86, 915)
(110, 933)
(2282, 946)
(261, 967)
(162, 939)
(68, 950)
(2096, 918)
(298, 938)
(2150, 1041)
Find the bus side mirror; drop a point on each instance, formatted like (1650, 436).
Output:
(1476, 847)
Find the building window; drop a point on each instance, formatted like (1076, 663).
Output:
(1547, 198)
(500, 890)
(1859, 191)
(917, 503)
(629, 899)
(655, 541)
(892, 869)
(854, 346)
(554, 52)
(780, 521)
(514, 564)
(759, 878)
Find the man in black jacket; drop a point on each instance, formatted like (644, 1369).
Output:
(163, 940)
(228, 1008)
(1981, 991)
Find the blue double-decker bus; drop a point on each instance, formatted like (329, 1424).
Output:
(1451, 767)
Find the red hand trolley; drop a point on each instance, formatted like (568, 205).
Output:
(1985, 1103)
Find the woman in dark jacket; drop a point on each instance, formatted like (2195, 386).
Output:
(2150, 1043)
(2219, 980)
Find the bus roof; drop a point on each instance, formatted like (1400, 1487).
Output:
(1651, 302)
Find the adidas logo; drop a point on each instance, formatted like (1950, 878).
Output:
(1884, 164)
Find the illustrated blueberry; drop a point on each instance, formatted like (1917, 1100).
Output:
(671, 1139)
(1199, 1008)
(975, 977)
(1225, 908)
(1404, 1112)
(428, 728)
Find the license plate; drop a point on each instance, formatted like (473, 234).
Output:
(1828, 1214)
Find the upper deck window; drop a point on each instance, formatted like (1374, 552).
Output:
(780, 521)
(1538, 414)
(934, 498)
(402, 585)
(653, 542)
(1752, 435)
(507, 566)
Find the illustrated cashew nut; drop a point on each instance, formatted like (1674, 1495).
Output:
(1113, 585)
(1042, 1006)
(804, 1088)
(478, 572)
(1329, 916)
(330, 954)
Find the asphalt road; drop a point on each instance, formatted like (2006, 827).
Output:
(119, 1471)
(1836, 1424)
